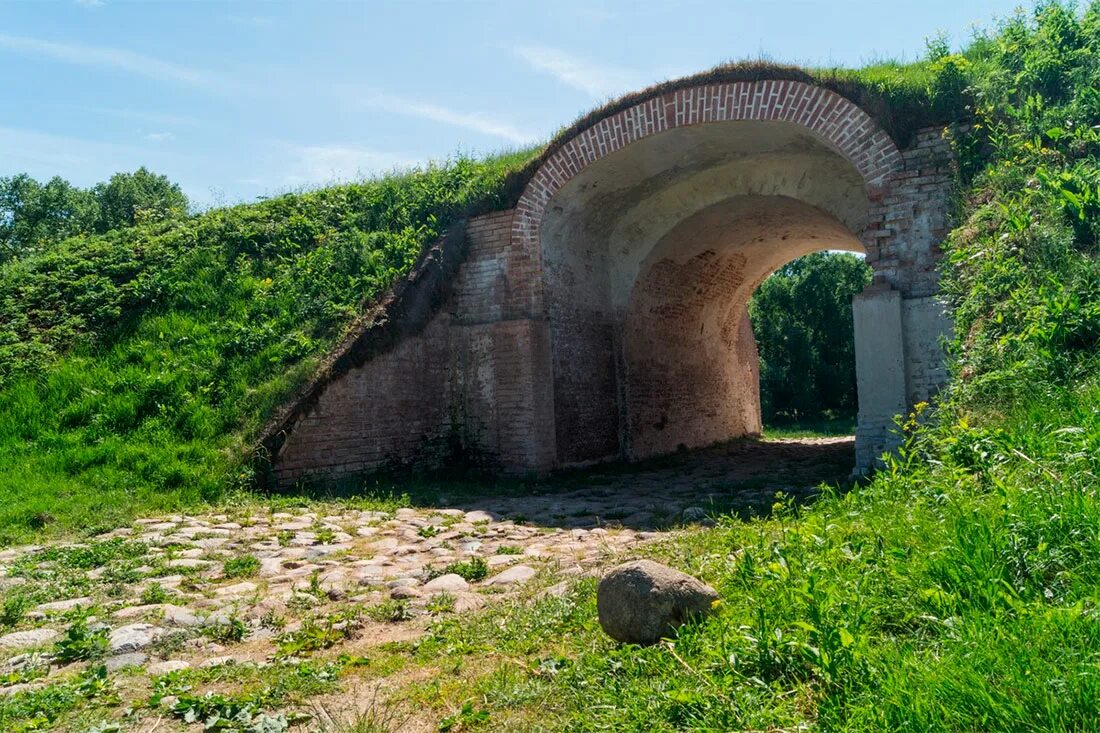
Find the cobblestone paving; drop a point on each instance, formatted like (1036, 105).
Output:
(180, 591)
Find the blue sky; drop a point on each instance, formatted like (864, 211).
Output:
(244, 99)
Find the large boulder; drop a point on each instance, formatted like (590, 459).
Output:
(642, 601)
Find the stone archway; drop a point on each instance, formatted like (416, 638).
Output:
(604, 316)
(650, 230)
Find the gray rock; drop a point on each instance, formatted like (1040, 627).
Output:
(512, 576)
(132, 659)
(642, 601)
(694, 514)
(165, 667)
(24, 639)
(451, 583)
(403, 592)
(133, 638)
(237, 589)
(63, 605)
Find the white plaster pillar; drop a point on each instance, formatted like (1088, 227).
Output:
(880, 371)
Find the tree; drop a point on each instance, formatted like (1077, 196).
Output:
(137, 198)
(802, 319)
(34, 215)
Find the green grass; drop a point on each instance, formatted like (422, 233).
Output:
(137, 367)
(823, 428)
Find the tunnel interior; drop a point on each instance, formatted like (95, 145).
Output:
(650, 256)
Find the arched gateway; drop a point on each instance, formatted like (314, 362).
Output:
(605, 315)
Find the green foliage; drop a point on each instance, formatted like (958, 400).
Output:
(35, 216)
(251, 710)
(1022, 272)
(391, 610)
(314, 636)
(81, 643)
(244, 566)
(13, 608)
(40, 709)
(473, 570)
(802, 319)
(154, 593)
(229, 631)
(180, 337)
(141, 197)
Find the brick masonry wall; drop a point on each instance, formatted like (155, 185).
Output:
(910, 220)
(492, 371)
(474, 377)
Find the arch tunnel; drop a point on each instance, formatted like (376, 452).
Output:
(604, 316)
(650, 257)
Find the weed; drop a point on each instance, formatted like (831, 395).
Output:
(244, 566)
(13, 608)
(392, 610)
(229, 631)
(441, 603)
(82, 643)
(471, 570)
(313, 636)
(154, 593)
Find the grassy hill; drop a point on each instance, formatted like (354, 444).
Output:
(957, 590)
(137, 367)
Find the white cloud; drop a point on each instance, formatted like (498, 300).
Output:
(592, 79)
(119, 59)
(328, 163)
(477, 122)
(160, 137)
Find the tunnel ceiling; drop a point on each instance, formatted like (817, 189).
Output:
(610, 218)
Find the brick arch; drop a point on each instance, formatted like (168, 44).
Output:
(831, 117)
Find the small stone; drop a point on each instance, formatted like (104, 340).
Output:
(63, 605)
(451, 583)
(406, 582)
(24, 639)
(403, 592)
(21, 687)
(132, 638)
(465, 602)
(479, 516)
(641, 602)
(172, 665)
(237, 589)
(512, 576)
(131, 659)
(694, 514)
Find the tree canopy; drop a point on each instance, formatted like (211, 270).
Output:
(34, 215)
(802, 319)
